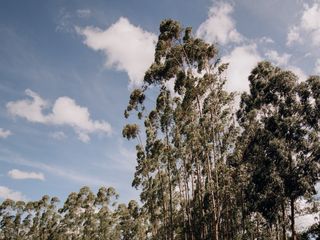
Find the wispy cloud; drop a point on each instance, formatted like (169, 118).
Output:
(278, 58)
(65, 111)
(58, 135)
(122, 159)
(64, 21)
(6, 192)
(12, 158)
(84, 13)
(283, 60)
(21, 175)
(4, 133)
(317, 67)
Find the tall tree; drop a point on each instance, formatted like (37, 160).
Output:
(183, 166)
(283, 139)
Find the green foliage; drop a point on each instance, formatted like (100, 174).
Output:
(183, 169)
(281, 131)
(83, 215)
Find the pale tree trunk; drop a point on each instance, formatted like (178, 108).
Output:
(284, 234)
(293, 230)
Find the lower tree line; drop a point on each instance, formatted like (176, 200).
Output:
(84, 215)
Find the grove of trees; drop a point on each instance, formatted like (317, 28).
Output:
(206, 168)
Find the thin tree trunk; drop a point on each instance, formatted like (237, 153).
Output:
(293, 230)
(284, 234)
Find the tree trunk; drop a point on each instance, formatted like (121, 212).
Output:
(284, 234)
(293, 230)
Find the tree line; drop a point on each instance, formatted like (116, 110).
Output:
(206, 168)
(84, 215)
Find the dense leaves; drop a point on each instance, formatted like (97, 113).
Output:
(84, 215)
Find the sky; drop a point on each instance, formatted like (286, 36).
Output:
(67, 68)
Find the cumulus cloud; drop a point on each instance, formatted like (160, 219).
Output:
(65, 111)
(219, 26)
(241, 61)
(20, 175)
(308, 26)
(30, 109)
(11, 194)
(126, 47)
(4, 133)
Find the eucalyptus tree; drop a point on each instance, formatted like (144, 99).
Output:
(182, 166)
(7, 217)
(107, 219)
(282, 141)
(84, 215)
(131, 222)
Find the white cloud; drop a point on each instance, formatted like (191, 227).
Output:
(18, 174)
(317, 67)
(4, 133)
(293, 35)
(297, 71)
(308, 26)
(65, 111)
(310, 17)
(126, 47)
(11, 194)
(282, 60)
(84, 13)
(30, 109)
(219, 27)
(278, 59)
(241, 61)
(58, 135)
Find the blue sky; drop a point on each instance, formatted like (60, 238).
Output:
(67, 67)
